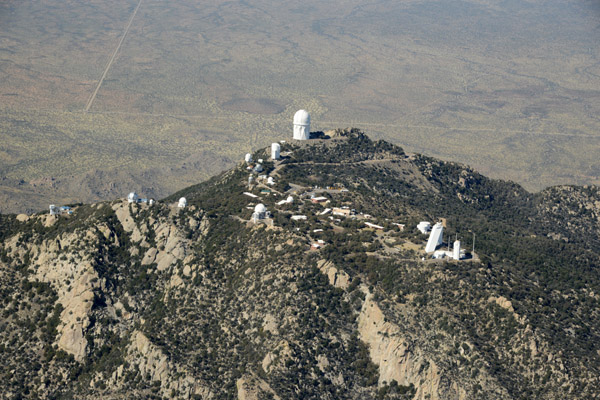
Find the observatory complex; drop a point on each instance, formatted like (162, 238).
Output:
(302, 125)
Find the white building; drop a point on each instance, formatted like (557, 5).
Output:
(275, 150)
(132, 198)
(298, 217)
(319, 199)
(182, 203)
(435, 238)
(260, 212)
(424, 226)
(248, 158)
(302, 125)
(440, 254)
(54, 210)
(370, 225)
(456, 250)
(270, 181)
(290, 199)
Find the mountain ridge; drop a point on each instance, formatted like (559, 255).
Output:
(124, 299)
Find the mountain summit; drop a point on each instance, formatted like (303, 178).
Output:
(306, 278)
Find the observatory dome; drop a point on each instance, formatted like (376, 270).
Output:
(133, 197)
(182, 202)
(302, 125)
(302, 117)
(260, 208)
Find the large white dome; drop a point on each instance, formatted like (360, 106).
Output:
(260, 208)
(302, 117)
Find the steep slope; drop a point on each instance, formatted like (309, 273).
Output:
(129, 300)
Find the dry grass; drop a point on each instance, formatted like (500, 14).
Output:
(512, 90)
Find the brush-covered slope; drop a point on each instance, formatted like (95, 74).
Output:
(126, 300)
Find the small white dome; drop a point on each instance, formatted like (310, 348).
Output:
(260, 208)
(132, 197)
(248, 158)
(182, 202)
(302, 117)
(290, 199)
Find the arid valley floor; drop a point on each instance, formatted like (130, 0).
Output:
(100, 98)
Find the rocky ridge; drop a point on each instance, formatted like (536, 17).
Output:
(127, 300)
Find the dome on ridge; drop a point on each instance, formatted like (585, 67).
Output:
(302, 117)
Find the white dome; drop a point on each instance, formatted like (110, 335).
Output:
(302, 117)
(260, 208)
(182, 202)
(290, 199)
(248, 158)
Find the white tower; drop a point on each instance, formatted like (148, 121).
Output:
(248, 158)
(302, 125)
(456, 250)
(53, 209)
(275, 150)
(435, 238)
(182, 203)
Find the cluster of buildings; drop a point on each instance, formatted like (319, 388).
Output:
(301, 131)
(134, 198)
(435, 242)
(260, 214)
(62, 210)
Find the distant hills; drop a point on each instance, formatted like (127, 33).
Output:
(511, 88)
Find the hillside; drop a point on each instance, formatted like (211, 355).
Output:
(128, 300)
